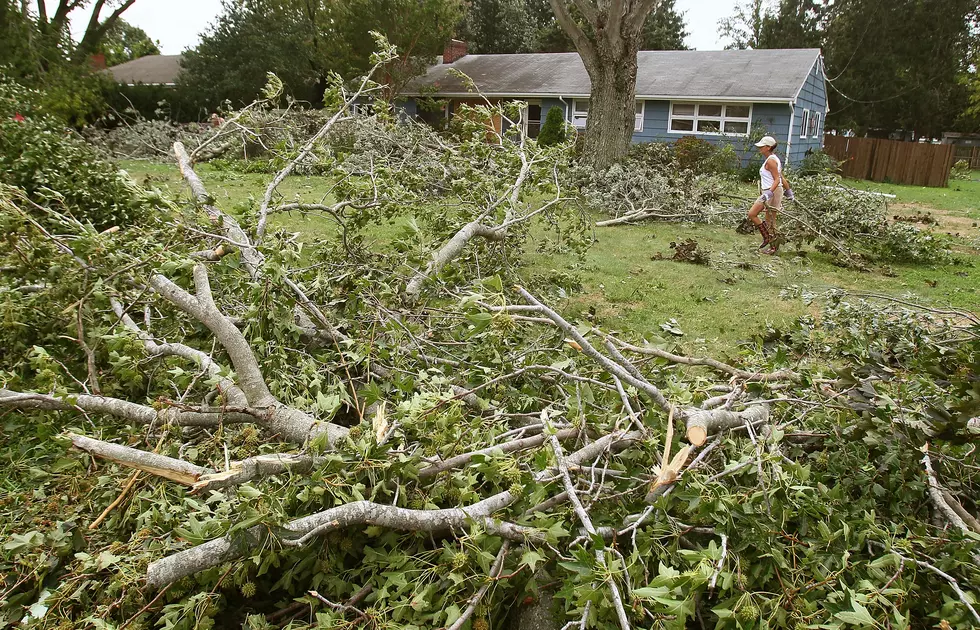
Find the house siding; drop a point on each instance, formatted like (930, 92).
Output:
(774, 118)
(812, 97)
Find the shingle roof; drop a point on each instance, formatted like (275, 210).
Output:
(150, 70)
(774, 75)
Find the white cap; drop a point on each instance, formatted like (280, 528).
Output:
(767, 141)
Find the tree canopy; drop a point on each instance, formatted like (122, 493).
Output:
(304, 41)
(511, 26)
(893, 66)
(37, 49)
(124, 42)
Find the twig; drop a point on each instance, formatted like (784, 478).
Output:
(105, 513)
(949, 578)
(142, 610)
(495, 570)
(586, 522)
(721, 563)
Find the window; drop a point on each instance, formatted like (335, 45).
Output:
(805, 123)
(580, 113)
(814, 130)
(710, 118)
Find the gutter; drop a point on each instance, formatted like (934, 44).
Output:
(642, 97)
(789, 136)
(562, 99)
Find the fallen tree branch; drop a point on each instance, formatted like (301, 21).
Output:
(583, 516)
(702, 423)
(611, 366)
(949, 578)
(778, 375)
(292, 424)
(507, 447)
(160, 465)
(228, 548)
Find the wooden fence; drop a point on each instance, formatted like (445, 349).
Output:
(898, 162)
(968, 154)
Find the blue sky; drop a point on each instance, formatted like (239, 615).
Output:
(177, 23)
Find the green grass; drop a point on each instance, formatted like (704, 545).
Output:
(716, 306)
(960, 197)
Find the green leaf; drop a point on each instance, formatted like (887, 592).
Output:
(651, 592)
(531, 558)
(859, 616)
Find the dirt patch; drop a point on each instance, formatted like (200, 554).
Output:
(933, 218)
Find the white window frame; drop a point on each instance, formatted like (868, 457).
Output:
(578, 116)
(580, 119)
(804, 123)
(815, 125)
(721, 120)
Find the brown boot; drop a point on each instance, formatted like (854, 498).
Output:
(766, 234)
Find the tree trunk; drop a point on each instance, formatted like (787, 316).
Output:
(612, 109)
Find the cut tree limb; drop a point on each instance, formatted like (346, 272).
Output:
(702, 423)
(160, 465)
(228, 548)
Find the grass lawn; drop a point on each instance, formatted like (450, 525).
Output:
(716, 306)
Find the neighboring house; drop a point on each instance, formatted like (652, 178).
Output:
(722, 96)
(149, 70)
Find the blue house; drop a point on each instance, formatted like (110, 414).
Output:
(721, 96)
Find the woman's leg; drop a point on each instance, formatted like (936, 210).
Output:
(772, 209)
(754, 213)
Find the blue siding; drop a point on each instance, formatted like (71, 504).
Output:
(813, 97)
(773, 117)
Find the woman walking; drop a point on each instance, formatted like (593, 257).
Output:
(771, 199)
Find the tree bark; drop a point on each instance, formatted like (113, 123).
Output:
(612, 108)
(701, 423)
(174, 469)
(608, 48)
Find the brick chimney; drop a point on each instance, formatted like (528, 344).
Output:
(454, 50)
(97, 61)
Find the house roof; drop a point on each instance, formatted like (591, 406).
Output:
(757, 75)
(149, 70)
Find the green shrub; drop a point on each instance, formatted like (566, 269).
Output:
(54, 167)
(693, 154)
(819, 163)
(961, 171)
(653, 154)
(553, 130)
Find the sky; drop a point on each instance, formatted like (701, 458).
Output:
(177, 23)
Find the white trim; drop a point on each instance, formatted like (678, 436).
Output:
(789, 134)
(803, 85)
(805, 122)
(584, 118)
(576, 115)
(646, 97)
(697, 116)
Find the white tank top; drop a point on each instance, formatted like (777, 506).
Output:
(766, 175)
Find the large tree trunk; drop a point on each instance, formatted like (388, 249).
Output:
(612, 109)
(608, 45)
